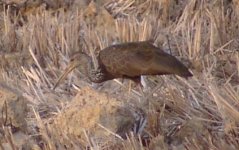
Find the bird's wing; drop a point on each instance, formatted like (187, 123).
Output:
(168, 64)
(131, 63)
(146, 61)
(141, 58)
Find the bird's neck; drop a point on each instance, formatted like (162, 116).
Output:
(96, 75)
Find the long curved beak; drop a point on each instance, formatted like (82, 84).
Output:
(72, 65)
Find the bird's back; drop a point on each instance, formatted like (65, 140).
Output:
(139, 58)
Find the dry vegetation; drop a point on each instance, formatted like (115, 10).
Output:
(38, 38)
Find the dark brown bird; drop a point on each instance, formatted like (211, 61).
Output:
(127, 60)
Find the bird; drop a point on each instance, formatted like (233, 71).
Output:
(127, 60)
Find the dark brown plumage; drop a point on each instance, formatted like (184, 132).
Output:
(127, 60)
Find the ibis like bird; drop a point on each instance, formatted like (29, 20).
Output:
(126, 60)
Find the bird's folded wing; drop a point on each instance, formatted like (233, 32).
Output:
(129, 63)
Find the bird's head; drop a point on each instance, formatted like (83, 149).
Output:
(80, 61)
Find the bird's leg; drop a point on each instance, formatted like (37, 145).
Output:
(130, 86)
(142, 81)
(144, 84)
(137, 81)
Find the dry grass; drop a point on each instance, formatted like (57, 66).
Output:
(198, 113)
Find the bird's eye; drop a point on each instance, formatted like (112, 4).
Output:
(72, 59)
